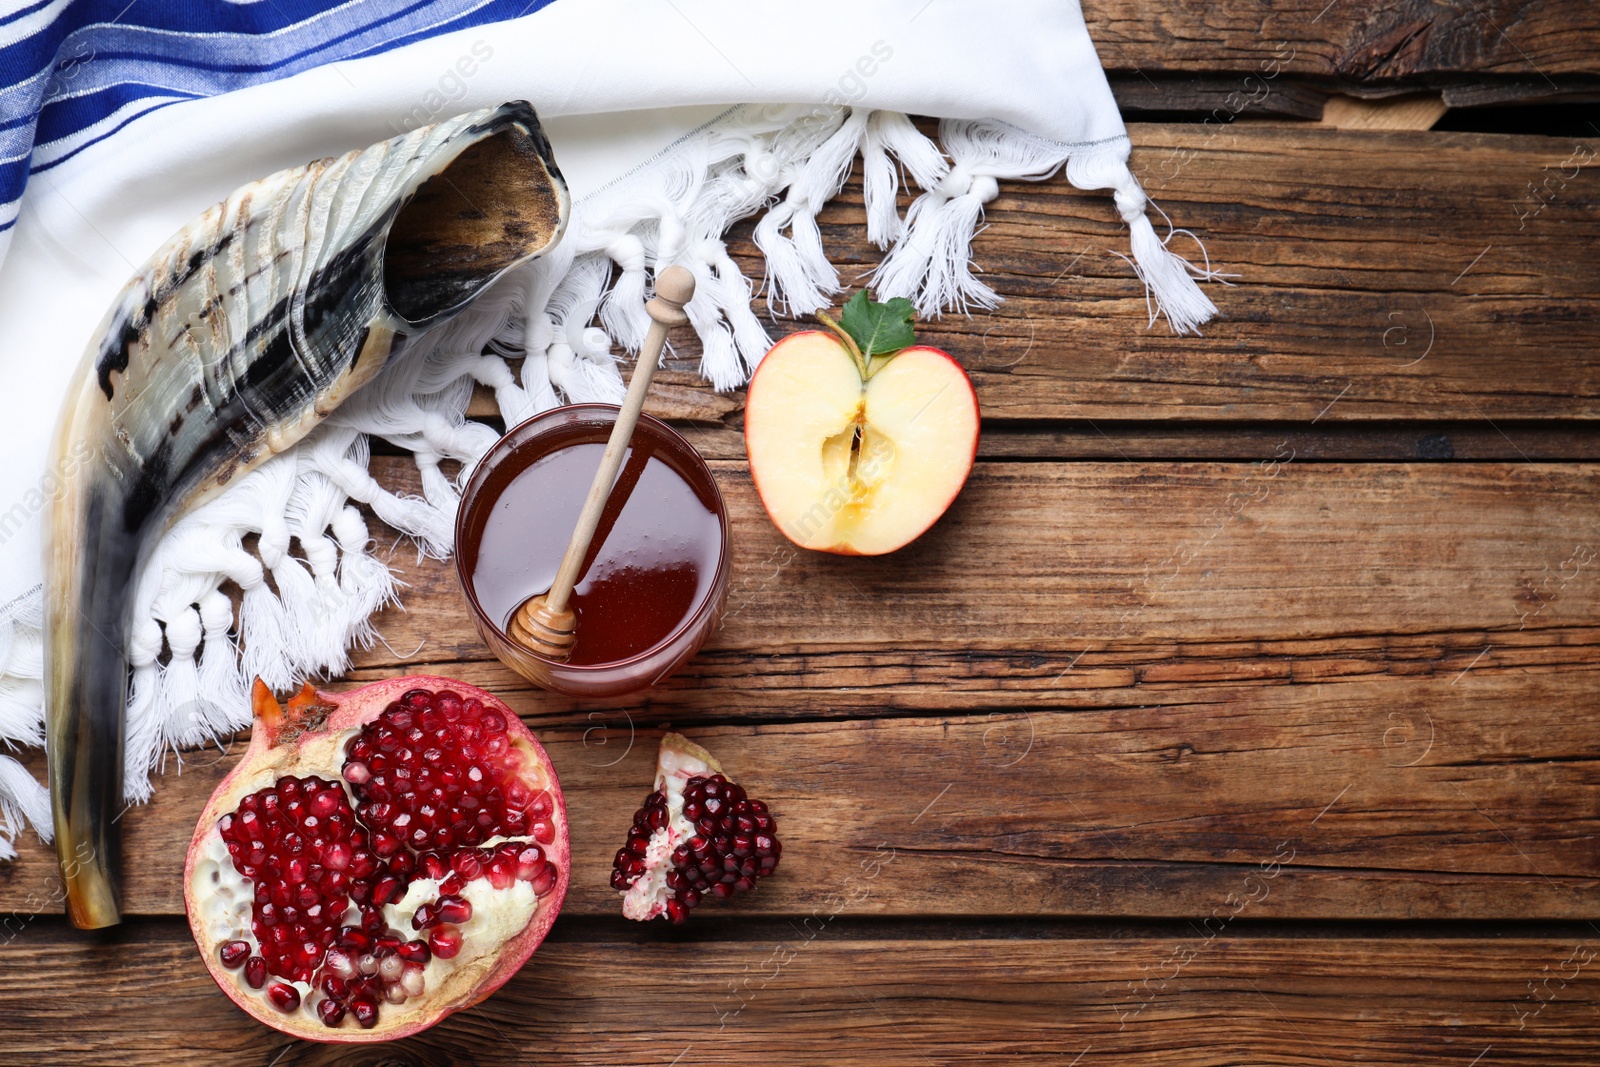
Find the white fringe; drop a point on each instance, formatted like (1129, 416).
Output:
(308, 589)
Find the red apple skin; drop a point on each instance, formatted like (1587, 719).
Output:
(972, 396)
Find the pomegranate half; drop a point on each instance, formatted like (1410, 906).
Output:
(377, 860)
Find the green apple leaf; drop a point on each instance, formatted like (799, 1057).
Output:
(879, 329)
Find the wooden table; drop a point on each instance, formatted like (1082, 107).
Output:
(1241, 711)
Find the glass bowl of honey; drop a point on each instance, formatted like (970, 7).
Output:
(656, 574)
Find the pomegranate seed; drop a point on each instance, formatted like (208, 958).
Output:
(445, 941)
(390, 968)
(528, 862)
(424, 918)
(233, 954)
(412, 980)
(339, 964)
(676, 911)
(330, 1011)
(452, 909)
(365, 1009)
(283, 997)
(394, 993)
(387, 889)
(415, 952)
(545, 879)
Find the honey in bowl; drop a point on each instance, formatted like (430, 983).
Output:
(655, 573)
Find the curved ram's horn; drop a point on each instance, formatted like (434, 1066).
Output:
(230, 345)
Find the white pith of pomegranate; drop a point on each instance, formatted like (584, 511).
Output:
(696, 835)
(377, 860)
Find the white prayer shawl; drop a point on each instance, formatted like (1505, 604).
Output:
(672, 119)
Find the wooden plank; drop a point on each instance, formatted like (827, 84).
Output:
(1412, 39)
(1523, 92)
(143, 999)
(1202, 553)
(1380, 276)
(1152, 95)
(1403, 798)
(1176, 717)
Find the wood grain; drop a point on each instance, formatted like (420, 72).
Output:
(141, 998)
(1116, 731)
(1411, 39)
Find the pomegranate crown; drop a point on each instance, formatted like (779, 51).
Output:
(307, 711)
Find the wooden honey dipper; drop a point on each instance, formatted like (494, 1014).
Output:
(546, 625)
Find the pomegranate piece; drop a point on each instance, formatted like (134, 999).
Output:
(696, 835)
(377, 860)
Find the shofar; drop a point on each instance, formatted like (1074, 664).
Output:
(242, 333)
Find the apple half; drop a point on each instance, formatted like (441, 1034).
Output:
(858, 454)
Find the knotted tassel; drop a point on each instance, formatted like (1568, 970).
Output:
(142, 741)
(622, 313)
(180, 707)
(222, 684)
(1168, 278)
(892, 141)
